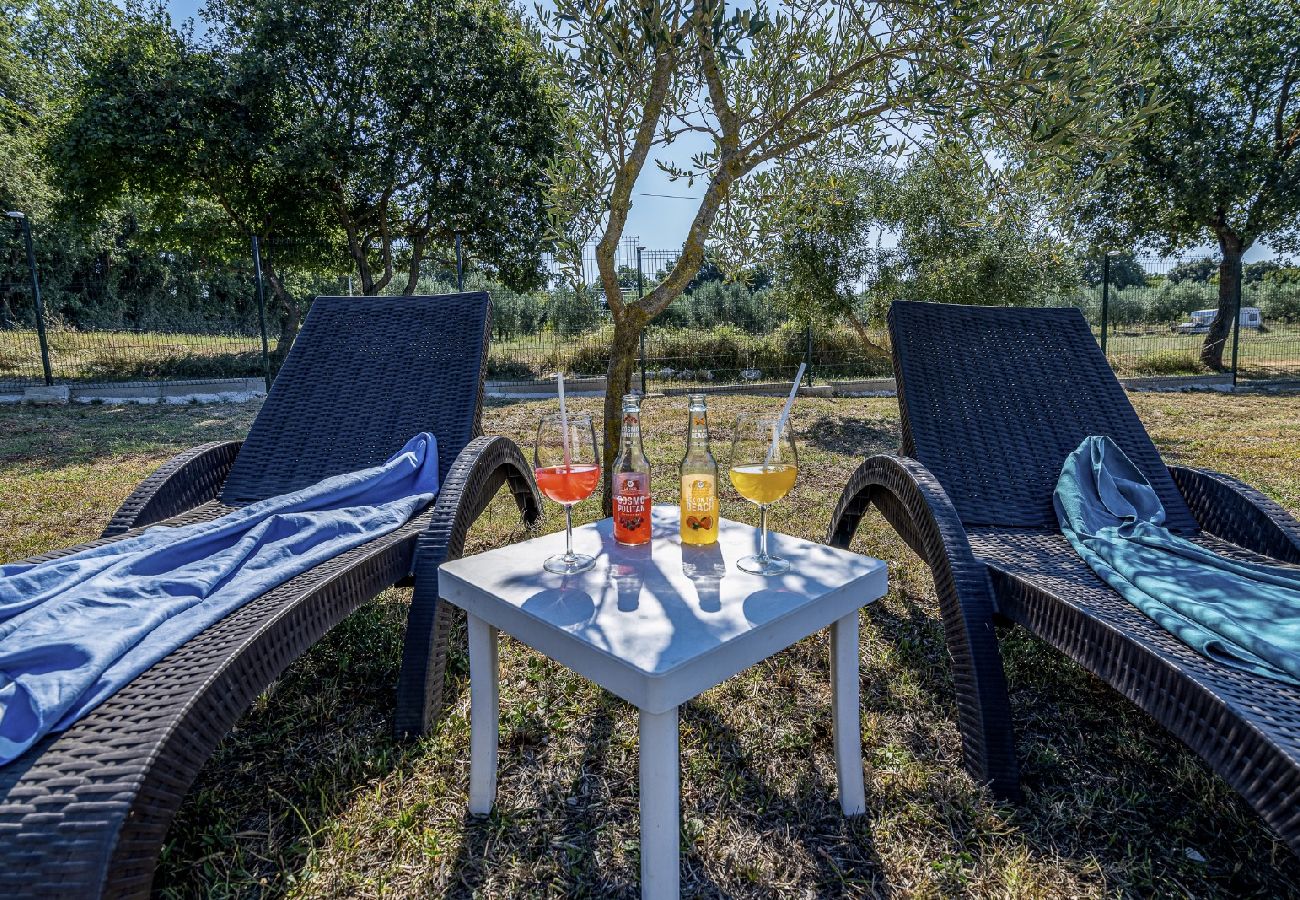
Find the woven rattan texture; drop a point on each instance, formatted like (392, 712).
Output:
(84, 813)
(914, 502)
(188, 480)
(474, 481)
(1234, 511)
(365, 374)
(994, 399)
(993, 394)
(1246, 728)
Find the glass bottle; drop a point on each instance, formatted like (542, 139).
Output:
(631, 477)
(699, 480)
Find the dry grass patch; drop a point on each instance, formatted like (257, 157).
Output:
(310, 797)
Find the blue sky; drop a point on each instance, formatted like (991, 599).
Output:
(661, 222)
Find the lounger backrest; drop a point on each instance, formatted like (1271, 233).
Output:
(994, 398)
(364, 375)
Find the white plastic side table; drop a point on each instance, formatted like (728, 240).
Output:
(658, 625)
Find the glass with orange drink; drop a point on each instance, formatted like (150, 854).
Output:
(567, 468)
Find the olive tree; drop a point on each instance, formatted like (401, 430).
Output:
(340, 132)
(797, 85)
(1219, 159)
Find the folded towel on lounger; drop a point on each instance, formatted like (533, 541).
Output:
(1242, 614)
(75, 629)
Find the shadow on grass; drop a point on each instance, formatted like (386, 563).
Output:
(1106, 787)
(851, 437)
(573, 829)
(1104, 784)
(292, 764)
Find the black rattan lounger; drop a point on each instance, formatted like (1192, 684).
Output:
(992, 400)
(85, 811)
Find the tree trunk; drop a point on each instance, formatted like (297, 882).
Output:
(1230, 245)
(290, 319)
(863, 334)
(286, 312)
(618, 381)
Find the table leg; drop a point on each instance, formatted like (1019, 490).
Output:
(483, 715)
(847, 715)
(660, 806)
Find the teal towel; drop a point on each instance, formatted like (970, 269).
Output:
(1241, 614)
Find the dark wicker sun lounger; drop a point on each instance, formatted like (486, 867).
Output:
(992, 400)
(84, 813)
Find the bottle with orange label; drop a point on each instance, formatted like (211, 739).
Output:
(631, 479)
(699, 479)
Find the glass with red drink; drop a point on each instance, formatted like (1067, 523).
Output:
(567, 468)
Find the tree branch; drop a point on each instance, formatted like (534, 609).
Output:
(620, 201)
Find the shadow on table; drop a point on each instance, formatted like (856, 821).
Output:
(562, 605)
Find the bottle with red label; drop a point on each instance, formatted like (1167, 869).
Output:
(631, 479)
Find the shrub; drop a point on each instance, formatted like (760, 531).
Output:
(1282, 303)
(1174, 302)
(1127, 306)
(1166, 362)
(725, 303)
(510, 369)
(570, 313)
(724, 351)
(112, 364)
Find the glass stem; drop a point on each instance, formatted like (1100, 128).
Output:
(762, 528)
(568, 531)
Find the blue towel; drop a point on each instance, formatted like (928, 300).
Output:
(75, 629)
(1241, 614)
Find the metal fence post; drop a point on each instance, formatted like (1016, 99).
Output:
(460, 268)
(261, 310)
(640, 293)
(26, 225)
(807, 357)
(1236, 325)
(1105, 300)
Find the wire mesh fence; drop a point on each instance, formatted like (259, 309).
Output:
(135, 316)
(1156, 316)
(148, 315)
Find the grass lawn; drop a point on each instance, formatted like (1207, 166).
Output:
(310, 797)
(1152, 350)
(129, 356)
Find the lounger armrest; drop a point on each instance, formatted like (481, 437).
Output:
(182, 483)
(1234, 511)
(902, 488)
(473, 480)
(914, 502)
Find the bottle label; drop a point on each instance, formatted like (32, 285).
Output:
(699, 508)
(699, 431)
(631, 507)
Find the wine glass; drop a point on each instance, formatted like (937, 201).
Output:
(567, 468)
(764, 464)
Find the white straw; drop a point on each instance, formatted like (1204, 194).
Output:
(564, 424)
(785, 414)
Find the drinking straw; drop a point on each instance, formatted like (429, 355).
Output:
(785, 414)
(564, 424)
